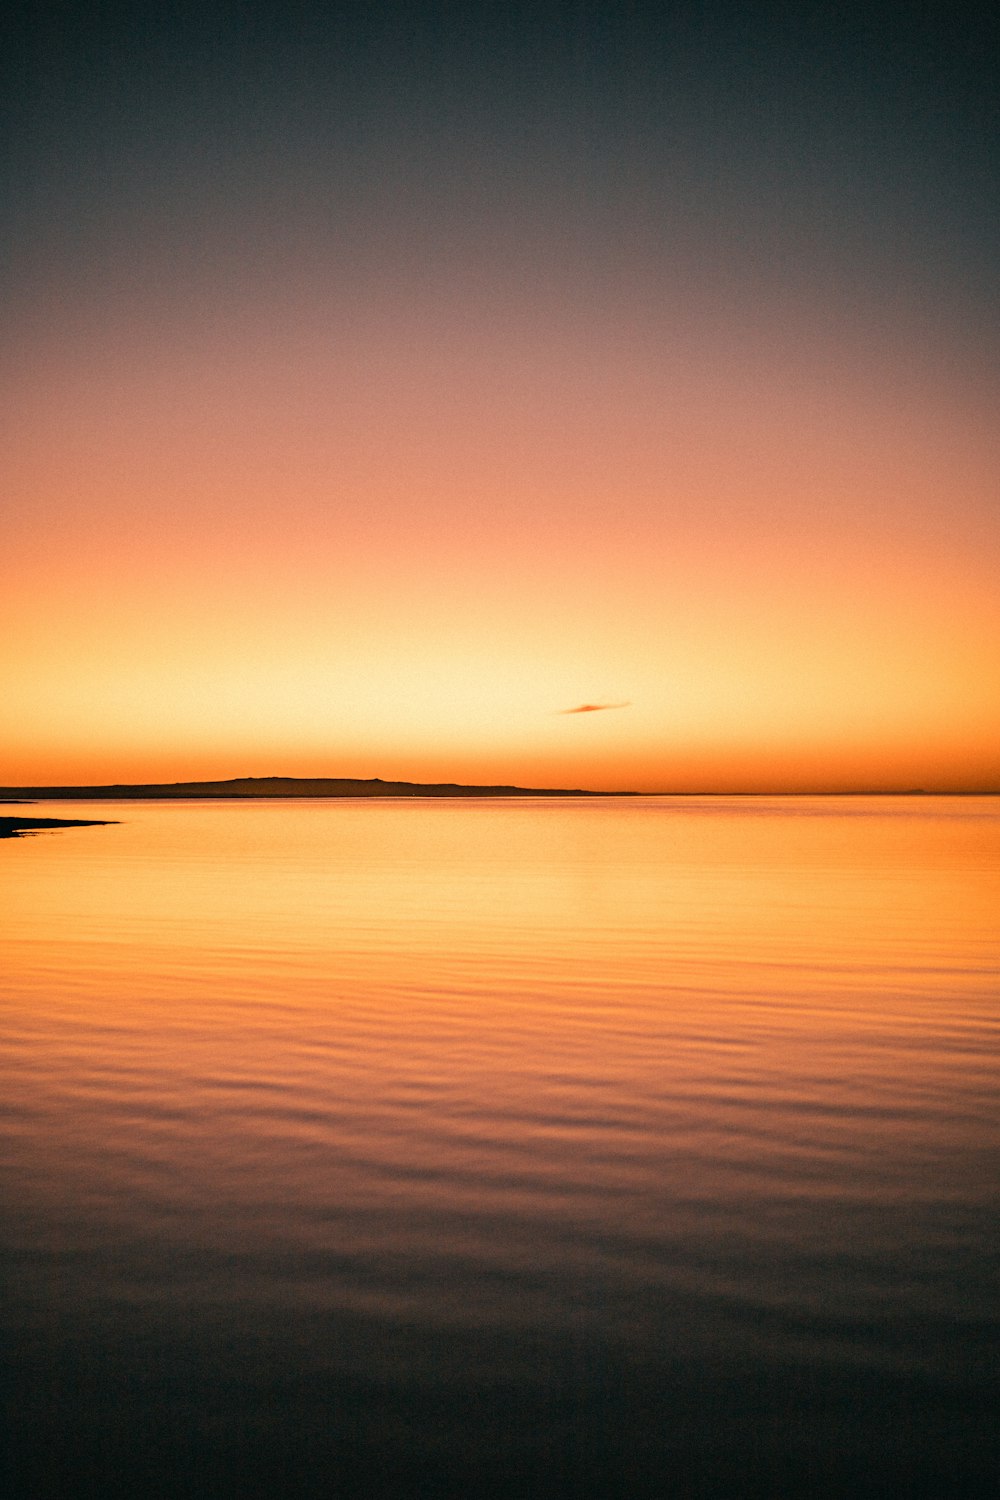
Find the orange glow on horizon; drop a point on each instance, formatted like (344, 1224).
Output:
(400, 547)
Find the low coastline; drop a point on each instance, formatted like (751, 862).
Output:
(244, 787)
(14, 828)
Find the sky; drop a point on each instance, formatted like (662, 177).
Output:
(381, 383)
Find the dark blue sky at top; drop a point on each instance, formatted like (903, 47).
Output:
(784, 144)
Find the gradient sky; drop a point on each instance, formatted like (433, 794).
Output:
(380, 383)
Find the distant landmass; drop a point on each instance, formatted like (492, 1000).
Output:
(284, 786)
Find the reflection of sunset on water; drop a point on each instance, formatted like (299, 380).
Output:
(486, 1097)
(675, 916)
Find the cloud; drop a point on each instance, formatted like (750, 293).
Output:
(591, 708)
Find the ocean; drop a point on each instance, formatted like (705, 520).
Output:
(567, 1148)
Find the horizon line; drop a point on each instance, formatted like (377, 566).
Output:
(66, 789)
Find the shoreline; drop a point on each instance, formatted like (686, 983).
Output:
(249, 788)
(15, 828)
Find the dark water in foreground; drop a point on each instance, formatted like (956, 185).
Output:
(503, 1149)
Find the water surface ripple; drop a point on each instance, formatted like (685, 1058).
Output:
(638, 1148)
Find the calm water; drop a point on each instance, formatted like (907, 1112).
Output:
(503, 1148)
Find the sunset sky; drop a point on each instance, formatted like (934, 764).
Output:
(379, 383)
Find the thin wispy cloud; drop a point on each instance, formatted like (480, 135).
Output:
(591, 708)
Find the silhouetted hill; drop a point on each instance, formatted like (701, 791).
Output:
(287, 786)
